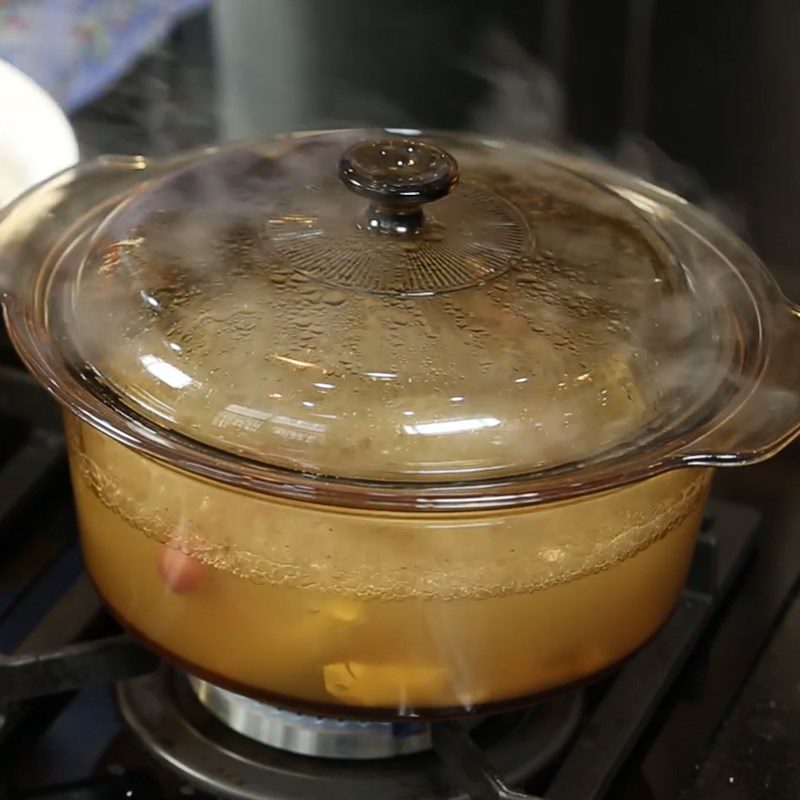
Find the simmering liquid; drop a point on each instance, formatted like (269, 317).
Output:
(320, 608)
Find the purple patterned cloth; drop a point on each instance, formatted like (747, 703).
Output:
(76, 48)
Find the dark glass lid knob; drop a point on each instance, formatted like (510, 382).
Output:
(398, 176)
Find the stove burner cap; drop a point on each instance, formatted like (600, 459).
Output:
(311, 735)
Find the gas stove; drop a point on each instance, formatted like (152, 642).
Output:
(89, 714)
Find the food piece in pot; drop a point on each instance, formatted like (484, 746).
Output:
(385, 685)
(180, 571)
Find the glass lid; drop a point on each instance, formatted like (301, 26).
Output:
(392, 308)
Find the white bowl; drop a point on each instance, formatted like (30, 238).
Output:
(36, 140)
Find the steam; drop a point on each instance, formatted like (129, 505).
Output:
(525, 101)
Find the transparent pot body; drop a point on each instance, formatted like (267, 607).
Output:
(378, 614)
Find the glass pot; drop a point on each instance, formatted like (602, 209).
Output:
(386, 424)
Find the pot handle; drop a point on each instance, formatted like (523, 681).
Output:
(769, 417)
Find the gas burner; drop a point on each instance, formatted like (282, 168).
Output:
(311, 735)
(165, 711)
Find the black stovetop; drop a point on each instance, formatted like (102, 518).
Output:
(709, 711)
